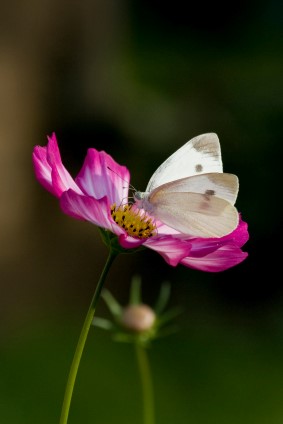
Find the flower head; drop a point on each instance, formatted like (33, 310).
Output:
(138, 322)
(99, 194)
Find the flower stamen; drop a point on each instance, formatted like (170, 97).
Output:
(136, 223)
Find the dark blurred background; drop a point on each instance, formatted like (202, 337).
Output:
(138, 79)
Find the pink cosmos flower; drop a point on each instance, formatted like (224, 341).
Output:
(98, 194)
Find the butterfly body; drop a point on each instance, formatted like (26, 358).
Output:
(190, 193)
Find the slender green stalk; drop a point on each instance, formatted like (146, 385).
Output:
(82, 340)
(147, 389)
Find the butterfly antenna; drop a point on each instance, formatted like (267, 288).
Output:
(131, 187)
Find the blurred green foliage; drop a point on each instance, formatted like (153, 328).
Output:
(205, 373)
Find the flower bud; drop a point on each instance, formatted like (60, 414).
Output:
(138, 318)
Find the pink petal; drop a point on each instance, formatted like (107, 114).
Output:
(42, 168)
(173, 250)
(221, 259)
(240, 235)
(49, 169)
(61, 179)
(129, 242)
(203, 246)
(87, 208)
(101, 176)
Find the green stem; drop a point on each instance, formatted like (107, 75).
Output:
(82, 340)
(147, 389)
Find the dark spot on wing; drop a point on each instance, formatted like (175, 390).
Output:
(207, 195)
(198, 167)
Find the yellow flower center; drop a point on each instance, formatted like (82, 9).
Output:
(136, 224)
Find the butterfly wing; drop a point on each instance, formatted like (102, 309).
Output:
(200, 155)
(200, 206)
(197, 215)
(222, 185)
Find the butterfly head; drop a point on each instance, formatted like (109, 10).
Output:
(139, 198)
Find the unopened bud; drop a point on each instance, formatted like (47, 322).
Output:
(138, 318)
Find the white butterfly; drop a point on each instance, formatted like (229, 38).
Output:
(190, 193)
